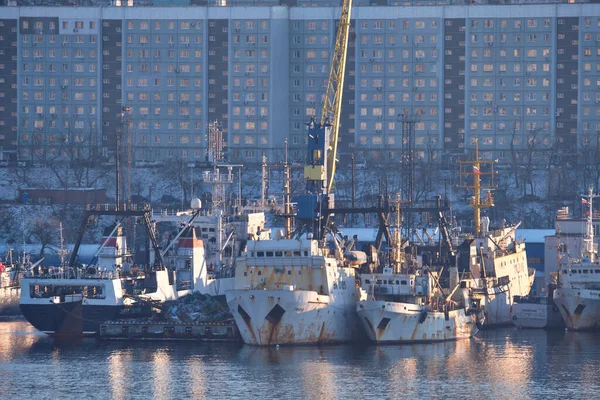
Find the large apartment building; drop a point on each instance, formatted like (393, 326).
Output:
(499, 73)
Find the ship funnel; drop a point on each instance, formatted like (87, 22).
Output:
(196, 203)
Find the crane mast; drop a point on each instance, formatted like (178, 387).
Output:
(323, 136)
(332, 106)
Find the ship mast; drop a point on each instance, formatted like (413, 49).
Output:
(589, 228)
(397, 254)
(474, 168)
(287, 195)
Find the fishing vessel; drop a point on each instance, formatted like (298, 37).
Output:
(578, 290)
(496, 260)
(198, 257)
(113, 284)
(407, 303)
(407, 308)
(103, 288)
(294, 291)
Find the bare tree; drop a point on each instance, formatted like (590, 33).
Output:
(589, 160)
(427, 168)
(44, 231)
(533, 156)
(553, 171)
(514, 153)
(177, 172)
(74, 159)
(562, 184)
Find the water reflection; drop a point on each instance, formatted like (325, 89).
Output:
(161, 373)
(119, 362)
(15, 336)
(504, 364)
(195, 375)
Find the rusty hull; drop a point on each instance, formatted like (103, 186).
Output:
(497, 298)
(404, 323)
(580, 308)
(309, 318)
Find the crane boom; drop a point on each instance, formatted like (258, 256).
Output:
(312, 207)
(332, 106)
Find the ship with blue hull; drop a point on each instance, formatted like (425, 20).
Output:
(197, 259)
(113, 285)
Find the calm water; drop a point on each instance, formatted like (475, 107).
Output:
(500, 364)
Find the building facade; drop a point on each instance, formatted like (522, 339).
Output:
(499, 73)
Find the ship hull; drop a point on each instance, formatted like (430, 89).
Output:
(282, 317)
(9, 301)
(580, 308)
(497, 308)
(386, 322)
(497, 301)
(536, 316)
(65, 319)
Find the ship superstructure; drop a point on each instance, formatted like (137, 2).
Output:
(496, 260)
(291, 291)
(577, 295)
(11, 272)
(113, 282)
(221, 237)
(299, 290)
(406, 301)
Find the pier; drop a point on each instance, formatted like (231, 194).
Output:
(159, 330)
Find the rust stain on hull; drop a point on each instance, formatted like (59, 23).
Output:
(322, 333)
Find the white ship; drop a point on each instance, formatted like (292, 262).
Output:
(405, 308)
(70, 301)
(406, 303)
(10, 284)
(578, 293)
(298, 291)
(498, 265)
(495, 258)
(290, 291)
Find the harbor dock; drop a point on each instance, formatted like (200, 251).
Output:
(159, 330)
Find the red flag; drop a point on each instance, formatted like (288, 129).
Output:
(584, 201)
(476, 170)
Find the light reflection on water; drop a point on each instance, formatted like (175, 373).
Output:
(503, 364)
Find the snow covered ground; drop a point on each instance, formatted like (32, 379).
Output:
(173, 186)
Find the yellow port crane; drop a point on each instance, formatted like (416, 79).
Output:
(319, 171)
(323, 138)
(332, 106)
